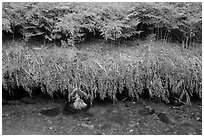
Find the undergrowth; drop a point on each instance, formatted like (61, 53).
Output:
(161, 68)
(72, 22)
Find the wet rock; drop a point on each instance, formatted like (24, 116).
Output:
(146, 111)
(51, 112)
(164, 118)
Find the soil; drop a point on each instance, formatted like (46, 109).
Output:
(42, 116)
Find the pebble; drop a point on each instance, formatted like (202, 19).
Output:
(198, 119)
(88, 126)
(131, 130)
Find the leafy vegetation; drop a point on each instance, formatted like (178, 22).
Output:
(74, 22)
(104, 70)
(164, 70)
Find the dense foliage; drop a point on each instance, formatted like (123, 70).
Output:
(74, 22)
(161, 70)
(157, 68)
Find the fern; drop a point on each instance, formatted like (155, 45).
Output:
(115, 21)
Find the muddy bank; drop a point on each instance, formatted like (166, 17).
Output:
(40, 116)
